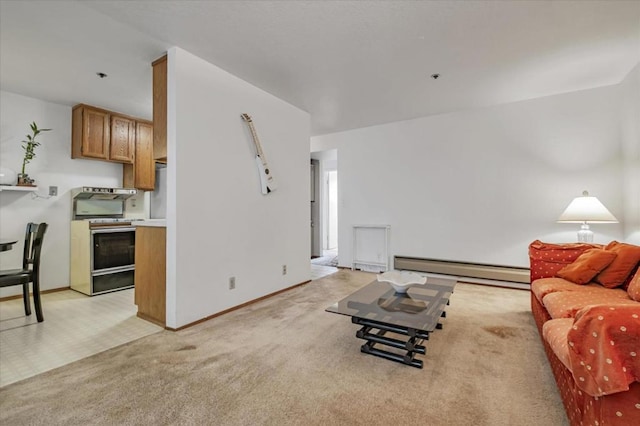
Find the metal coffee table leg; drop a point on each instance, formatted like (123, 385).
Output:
(412, 345)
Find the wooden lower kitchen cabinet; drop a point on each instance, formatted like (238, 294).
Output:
(150, 275)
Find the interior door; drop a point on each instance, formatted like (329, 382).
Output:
(316, 241)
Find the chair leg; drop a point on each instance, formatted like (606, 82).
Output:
(25, 299)
(36, 300)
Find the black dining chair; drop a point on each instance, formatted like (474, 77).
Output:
(30, 272)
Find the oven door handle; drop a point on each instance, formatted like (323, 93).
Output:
(112, 230)
(114, 270)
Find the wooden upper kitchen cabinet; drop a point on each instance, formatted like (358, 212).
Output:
(102, 135)
(160, 109)
(123, 139)
(90, 132)
(142, 173)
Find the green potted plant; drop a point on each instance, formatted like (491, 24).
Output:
(29, 145)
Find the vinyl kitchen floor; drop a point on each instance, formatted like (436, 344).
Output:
(319, 271)
(75, 326)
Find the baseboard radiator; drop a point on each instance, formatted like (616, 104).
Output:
(463, 269)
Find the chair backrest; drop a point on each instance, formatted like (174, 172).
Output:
(33, 245)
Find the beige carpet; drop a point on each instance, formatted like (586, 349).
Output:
(284, 361)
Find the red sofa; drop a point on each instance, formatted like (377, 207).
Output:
(590, 333)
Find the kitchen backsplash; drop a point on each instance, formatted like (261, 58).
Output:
(137, 207)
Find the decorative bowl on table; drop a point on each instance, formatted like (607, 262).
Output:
(401, 281)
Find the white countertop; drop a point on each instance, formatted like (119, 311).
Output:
(151, 222)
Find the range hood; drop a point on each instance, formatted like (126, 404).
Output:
(93, 193)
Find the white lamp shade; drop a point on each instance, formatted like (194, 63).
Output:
(587, 209)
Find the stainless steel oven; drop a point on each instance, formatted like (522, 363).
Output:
(112, 258)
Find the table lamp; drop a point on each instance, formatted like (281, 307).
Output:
(585, 210)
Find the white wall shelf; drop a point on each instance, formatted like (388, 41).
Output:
(18, 188)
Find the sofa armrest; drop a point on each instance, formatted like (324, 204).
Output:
(604, 349)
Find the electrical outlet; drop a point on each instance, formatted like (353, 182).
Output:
(232, 283)
(284, 269)
(53, 191)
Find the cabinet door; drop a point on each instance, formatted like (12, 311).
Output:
(144, 169)
(142, 173)
(150, 274)
(123, 134)
(95, 133)
(160, 110)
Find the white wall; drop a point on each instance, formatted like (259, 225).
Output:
(630, 133)
(219, 224)
(480, 185)
(52, 166)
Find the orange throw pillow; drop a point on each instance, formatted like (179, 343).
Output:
(586, 266)
(634, 287)
(628, 256)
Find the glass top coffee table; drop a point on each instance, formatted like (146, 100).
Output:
(380, 310)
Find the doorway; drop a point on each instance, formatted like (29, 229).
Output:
(330, 229)
(324, 208)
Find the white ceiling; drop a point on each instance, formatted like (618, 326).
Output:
(349, 64)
